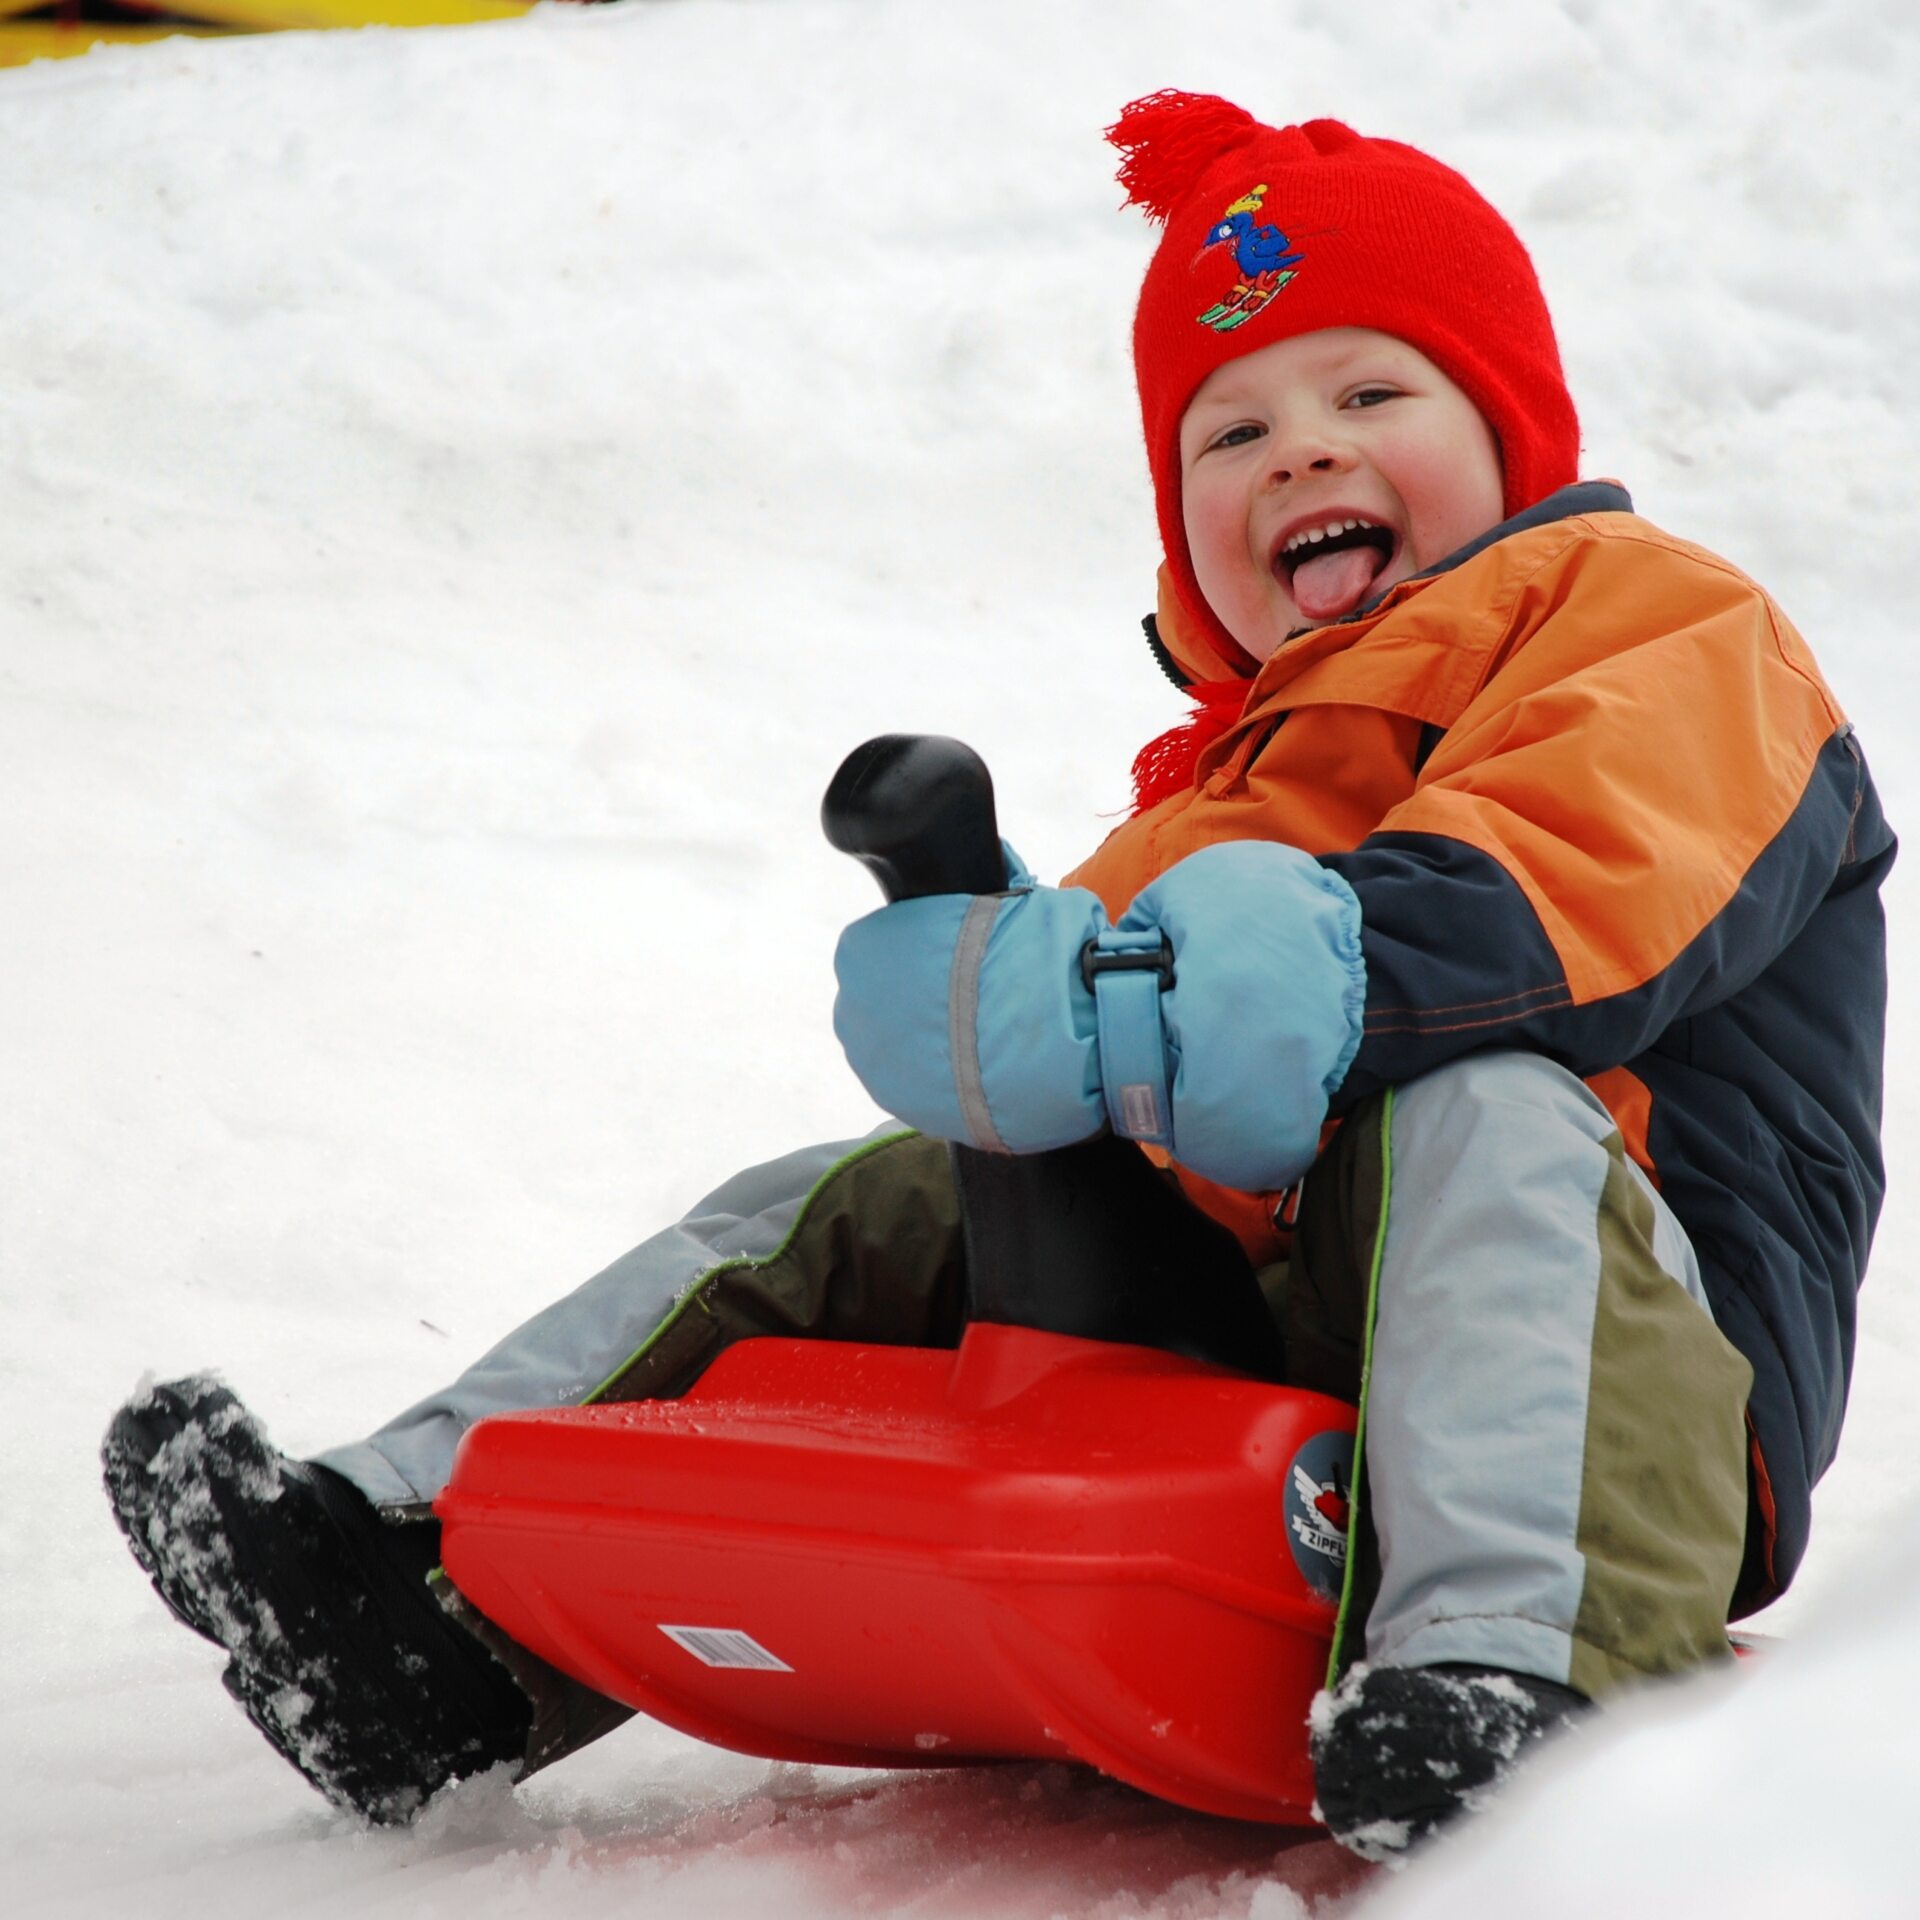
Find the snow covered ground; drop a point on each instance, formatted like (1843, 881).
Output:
(460, 494)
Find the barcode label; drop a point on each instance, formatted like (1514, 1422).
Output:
(725, 1647)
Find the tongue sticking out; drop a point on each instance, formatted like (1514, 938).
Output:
(1332, 584)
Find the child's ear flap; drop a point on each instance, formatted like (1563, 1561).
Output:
(1195, 646)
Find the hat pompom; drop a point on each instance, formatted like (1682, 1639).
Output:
(1168, 139)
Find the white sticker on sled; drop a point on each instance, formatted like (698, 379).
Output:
(725, 1647)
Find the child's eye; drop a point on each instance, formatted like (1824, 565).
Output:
(1371, 396)
(1236, 436)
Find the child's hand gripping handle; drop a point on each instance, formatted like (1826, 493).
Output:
(1089, 1239)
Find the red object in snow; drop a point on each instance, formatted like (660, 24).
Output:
(1032, 1546)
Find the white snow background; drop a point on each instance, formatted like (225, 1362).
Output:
(461, 493)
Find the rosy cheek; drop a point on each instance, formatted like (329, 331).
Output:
(1216, 533)
(1427, 491)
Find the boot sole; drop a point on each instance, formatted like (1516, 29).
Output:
(134, 1441)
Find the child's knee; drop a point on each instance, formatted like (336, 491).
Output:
(1490, 1098)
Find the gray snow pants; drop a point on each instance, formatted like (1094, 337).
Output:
(1553, 1454)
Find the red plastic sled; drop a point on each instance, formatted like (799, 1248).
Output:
(1035, 1546)
(1039, 1544)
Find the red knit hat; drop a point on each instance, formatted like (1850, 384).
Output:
(1278, 231)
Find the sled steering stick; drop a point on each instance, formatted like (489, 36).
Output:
(1089, 1240)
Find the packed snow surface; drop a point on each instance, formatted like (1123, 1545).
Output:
(461, 492)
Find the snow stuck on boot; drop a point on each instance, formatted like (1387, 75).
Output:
(1400, 1752)
(338, 1652)
(163, 1500)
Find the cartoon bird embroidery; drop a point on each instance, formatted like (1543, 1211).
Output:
(1262, 255)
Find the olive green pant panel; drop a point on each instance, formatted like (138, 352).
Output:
(1663, 1500)
(875, 1256)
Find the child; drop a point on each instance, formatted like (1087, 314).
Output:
(1513, 835)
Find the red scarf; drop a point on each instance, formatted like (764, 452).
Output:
(1166, 765)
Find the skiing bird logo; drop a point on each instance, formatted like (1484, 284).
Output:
(1321, 1523)
(1262, 256)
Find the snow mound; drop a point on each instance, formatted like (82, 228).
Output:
(1782, 1788)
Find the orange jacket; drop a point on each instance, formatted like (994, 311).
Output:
(1596, 800)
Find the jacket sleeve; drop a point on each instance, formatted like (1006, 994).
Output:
(1639, 809)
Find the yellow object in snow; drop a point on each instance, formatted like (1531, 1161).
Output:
(53, 29)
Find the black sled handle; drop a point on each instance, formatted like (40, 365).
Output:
(1087, 1240)
(916, 810)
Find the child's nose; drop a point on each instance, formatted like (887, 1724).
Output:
(1300, 457)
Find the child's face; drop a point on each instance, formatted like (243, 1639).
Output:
(1313, 432)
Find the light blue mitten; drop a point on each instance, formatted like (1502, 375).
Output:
(966, 1016)
(1263, 1016)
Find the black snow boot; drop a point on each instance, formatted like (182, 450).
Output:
(1398, 1752)
(338, 1651)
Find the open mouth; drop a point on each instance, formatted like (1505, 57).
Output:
(1329, 575)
